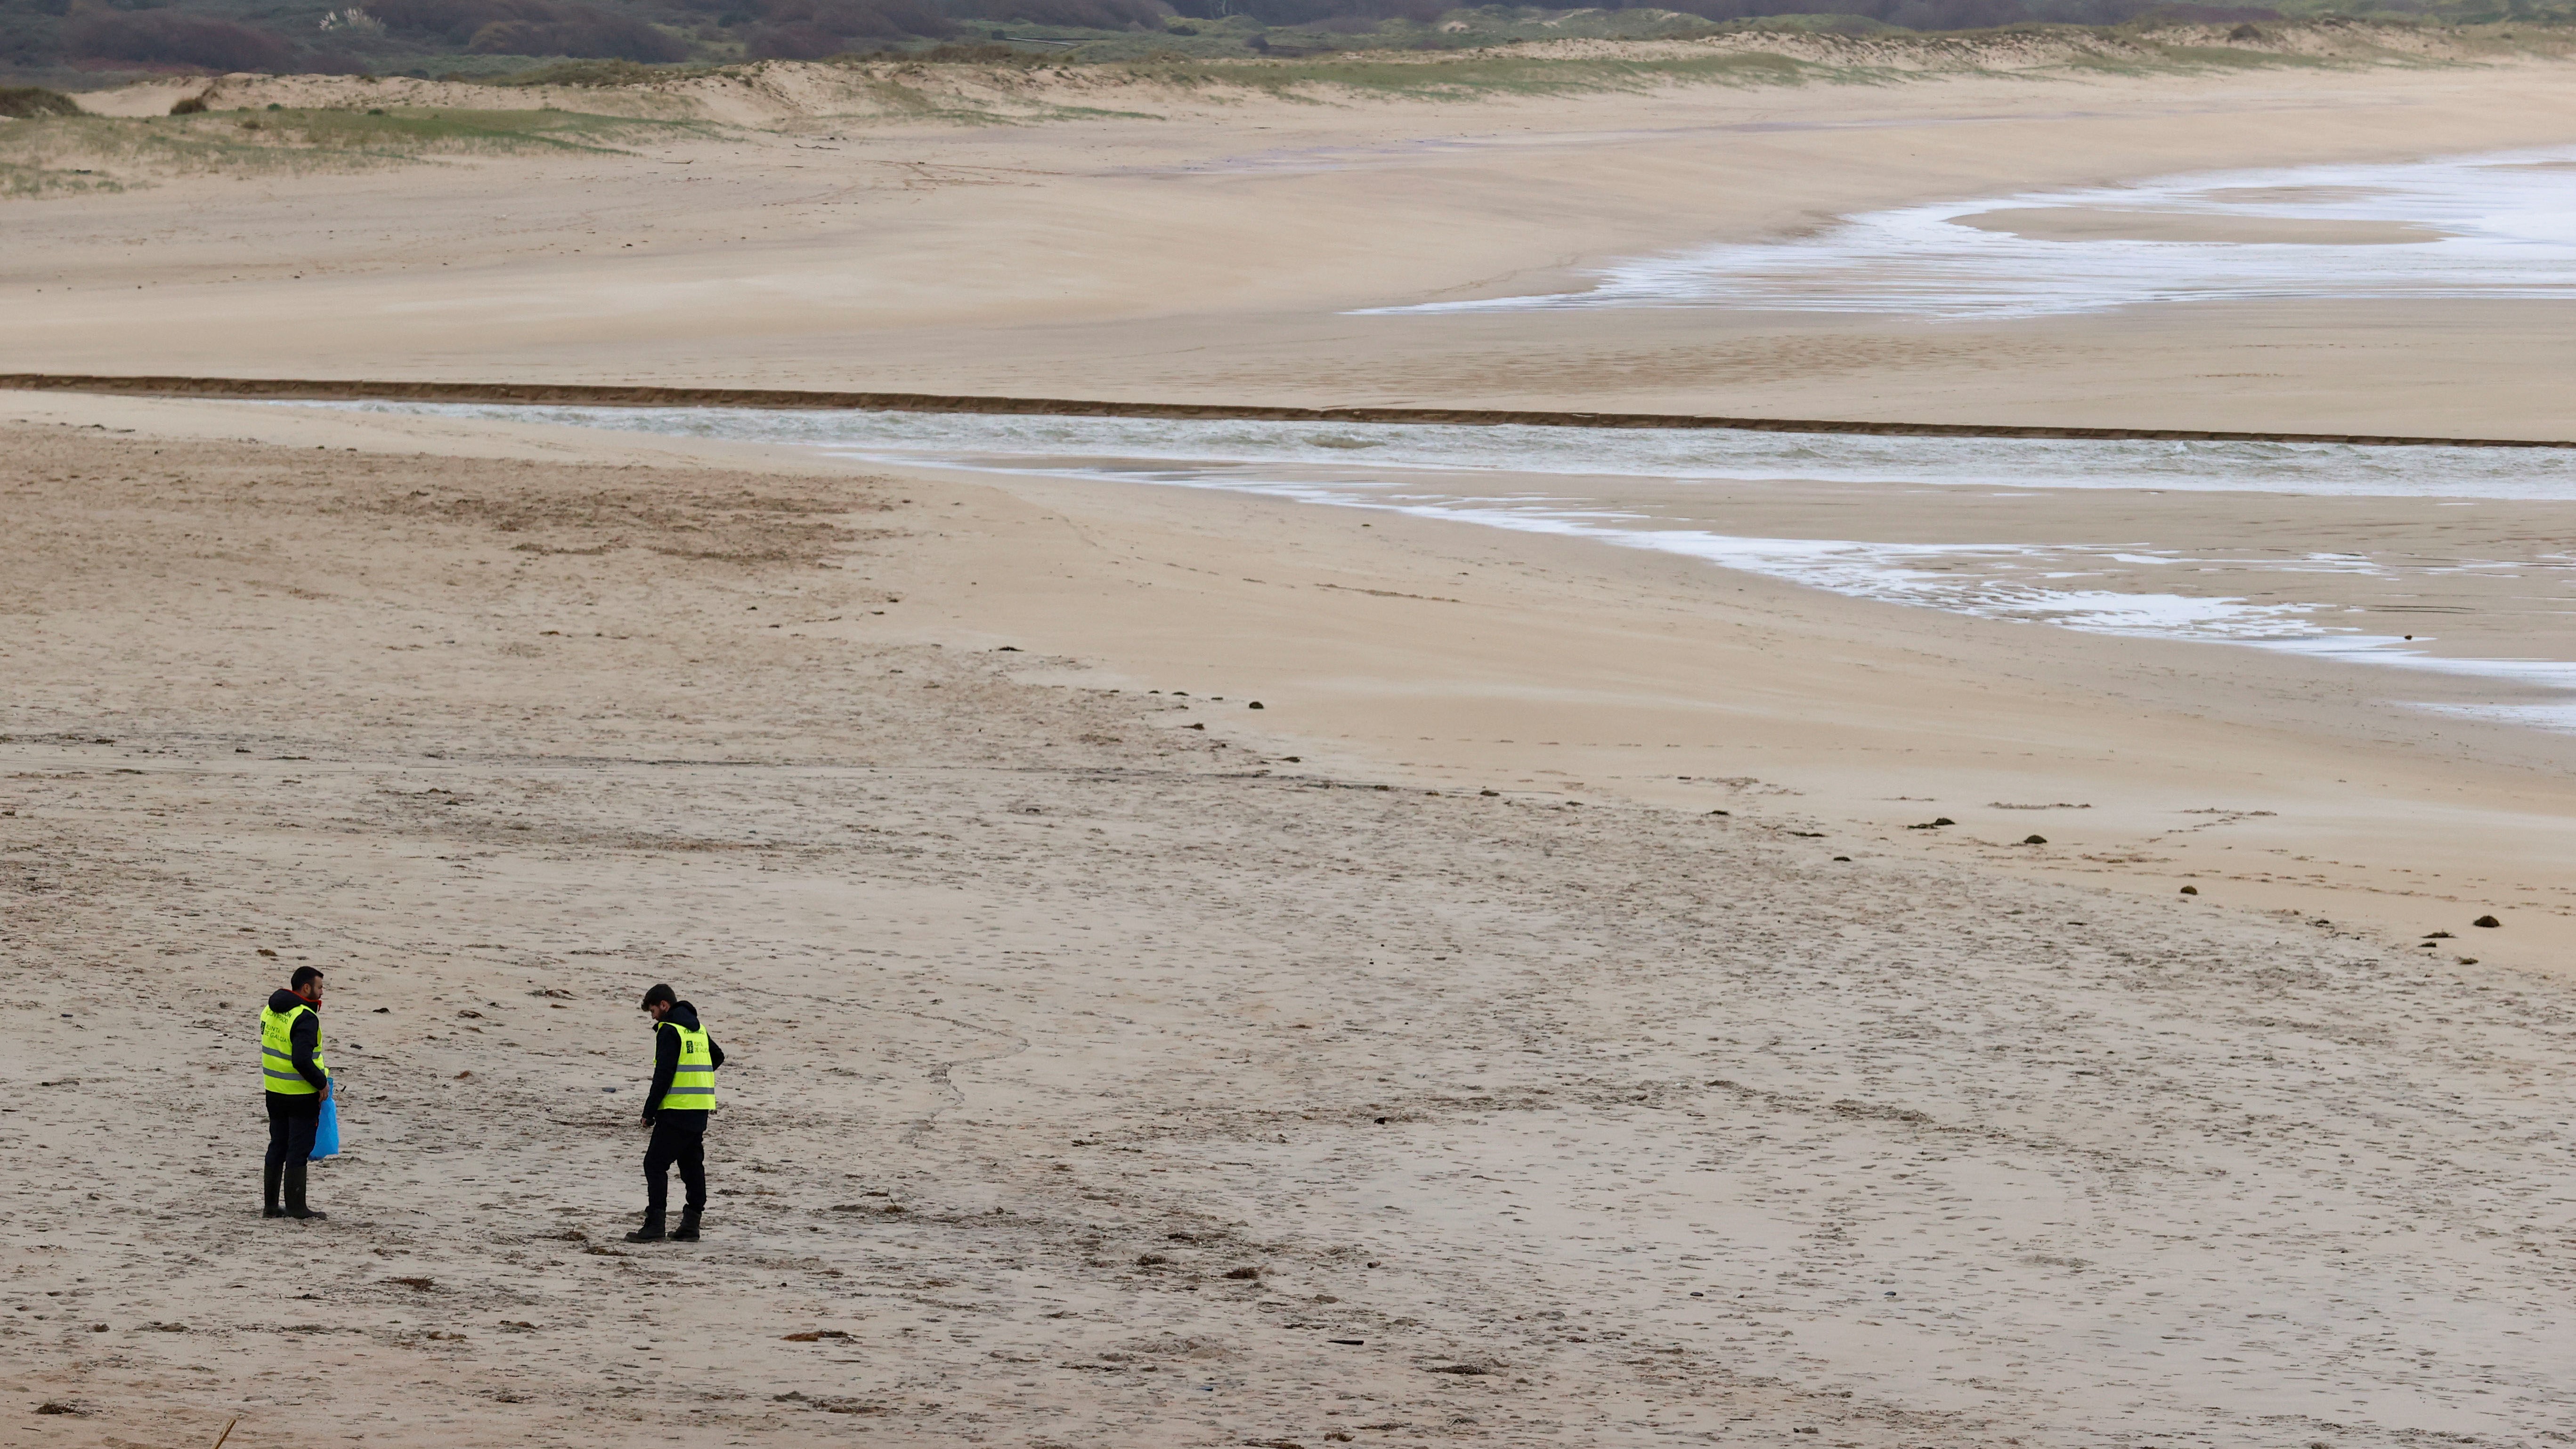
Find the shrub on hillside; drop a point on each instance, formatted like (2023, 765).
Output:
(168, 37)
(599, 35)
(791, 42)
(982, 52)
(1340, 15)
(1934, 15)
(1350, 15)
(1089, 14)
(531, 27)
(813, 29)
(587, 73)
(882, 19)
(27, 103)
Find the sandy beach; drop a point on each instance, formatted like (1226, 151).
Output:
(1553, 1011)
(1208, 247)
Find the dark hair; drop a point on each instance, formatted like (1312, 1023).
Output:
(303, 974)
(659, 993)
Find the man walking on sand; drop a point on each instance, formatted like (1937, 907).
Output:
(685, 1059)
(299, 1082)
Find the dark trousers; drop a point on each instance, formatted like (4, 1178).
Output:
(678, 1137)
(292, 1119)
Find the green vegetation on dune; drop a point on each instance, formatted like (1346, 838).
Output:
(1493, 74)
(621, 42)
(2169, 59)
(51, 153)
(1806, 57)
(27, 103)
(900, 98)
(401, 134)
(66, 154)
(603, 73)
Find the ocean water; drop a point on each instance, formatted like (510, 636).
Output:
(2495, 226)
(1363, 452)
(1570, 482)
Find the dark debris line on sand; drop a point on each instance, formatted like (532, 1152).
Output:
(618, 395)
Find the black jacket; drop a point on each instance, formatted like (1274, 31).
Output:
(304, 1037)
(666, 1054)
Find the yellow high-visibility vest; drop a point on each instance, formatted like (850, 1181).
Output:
(277, 1051)
(693, 1086)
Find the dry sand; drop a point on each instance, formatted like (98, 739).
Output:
(1588, 1115)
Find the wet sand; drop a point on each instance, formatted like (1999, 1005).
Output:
(2069, 223)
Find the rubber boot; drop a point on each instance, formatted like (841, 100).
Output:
(270, 1180)
(295, 1207)
(651, 1232)
(688, 1232)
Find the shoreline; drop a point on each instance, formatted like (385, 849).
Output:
(1909, 531)
(1553, 663)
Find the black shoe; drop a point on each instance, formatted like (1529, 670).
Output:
(272, 1211)
(315, 1214)
(688, 1232)
(651, 1232)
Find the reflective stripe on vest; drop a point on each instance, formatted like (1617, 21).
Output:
(693, 1086)
(277, 1051)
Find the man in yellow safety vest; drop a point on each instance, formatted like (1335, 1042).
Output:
(676, 1107)
(299, 1081)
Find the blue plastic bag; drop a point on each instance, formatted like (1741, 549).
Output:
(326, 1136)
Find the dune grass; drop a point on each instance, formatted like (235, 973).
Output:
(69, 154)
(1492, 73)
(27, 103)
(1502, 72)
(2187, 59)
(2037, 51)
